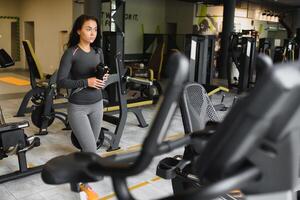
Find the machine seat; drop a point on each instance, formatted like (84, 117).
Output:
(71, 168)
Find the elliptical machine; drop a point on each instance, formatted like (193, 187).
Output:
(255, 148)
(206, 157)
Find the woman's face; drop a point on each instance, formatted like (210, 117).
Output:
(88, 31)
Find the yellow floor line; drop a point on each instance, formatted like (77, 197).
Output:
(14, 81)
(155, 179)
(139, 185)
(134, 187)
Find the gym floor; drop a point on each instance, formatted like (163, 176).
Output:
(145, 186)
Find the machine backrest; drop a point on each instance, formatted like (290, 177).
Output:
(33, 63)
(5, 59)
(267, 116)
(196, 108)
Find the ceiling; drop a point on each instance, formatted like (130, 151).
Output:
(282, 2)
(289, 2)
(279, 4)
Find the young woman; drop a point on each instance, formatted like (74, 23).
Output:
(77, 72)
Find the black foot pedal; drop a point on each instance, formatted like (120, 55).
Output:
(168, 167)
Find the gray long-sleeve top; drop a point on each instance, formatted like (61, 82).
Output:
(76, 66)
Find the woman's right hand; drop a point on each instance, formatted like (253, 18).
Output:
(96, 83)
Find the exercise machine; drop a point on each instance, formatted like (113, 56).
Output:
(149, 93)
(208, 171)
(113, 44)
(265, 46)
(200, 49)
(287, 52)
(150, 70)
(43, 112)
(263, 142)
(242, 54)
(38, 81)
(13, 141)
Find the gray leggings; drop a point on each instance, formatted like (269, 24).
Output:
(85, 122)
